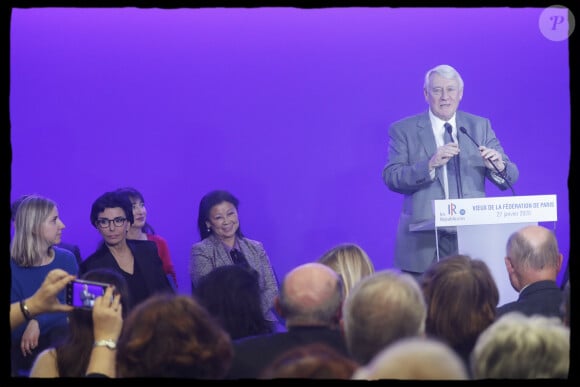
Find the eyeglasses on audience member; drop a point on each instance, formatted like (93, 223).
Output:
(105, 223)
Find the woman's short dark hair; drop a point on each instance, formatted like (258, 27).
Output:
(112, 199)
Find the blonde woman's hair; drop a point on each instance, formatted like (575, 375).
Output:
(27, 245)
(350, 261)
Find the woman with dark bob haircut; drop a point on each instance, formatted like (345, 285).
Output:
(222, 243)
(136, 260)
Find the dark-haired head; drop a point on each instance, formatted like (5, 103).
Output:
(232, 294)
(136, 197)
(112, 199)
(207, 202)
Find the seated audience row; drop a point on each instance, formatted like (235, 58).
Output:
(337, 310)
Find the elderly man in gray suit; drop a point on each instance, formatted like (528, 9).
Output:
(442, 153)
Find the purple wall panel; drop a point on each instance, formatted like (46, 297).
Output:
(287, 108)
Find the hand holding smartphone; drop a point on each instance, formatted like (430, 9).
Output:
(82, 293)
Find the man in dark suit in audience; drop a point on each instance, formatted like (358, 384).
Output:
(310, 301)
(533, 261)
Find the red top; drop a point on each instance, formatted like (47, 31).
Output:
(163, 249)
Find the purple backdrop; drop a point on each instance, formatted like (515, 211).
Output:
(287, 108)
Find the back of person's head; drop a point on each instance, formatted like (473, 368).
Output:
(532, 254)
(311, 294)
(310, 361)
(231, 293)
(446, 71)
(414, 358)
(461, 297)
(382, 308)
(206, 203)
(111, 199)
(74, 354)
(136, 196)
(173, 336)
(29, 211)
(350, 261)
(522, 347)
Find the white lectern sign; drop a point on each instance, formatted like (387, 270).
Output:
(485, 224)
(495, 210)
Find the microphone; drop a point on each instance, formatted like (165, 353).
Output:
(456, 164)
(501, 174)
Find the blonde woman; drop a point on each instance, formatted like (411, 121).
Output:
(350, 261)
(38, 229)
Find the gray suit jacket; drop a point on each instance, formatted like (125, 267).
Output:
(411, 145)
(210, 253)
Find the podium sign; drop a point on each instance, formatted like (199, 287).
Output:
(484, 225)
(495, 210)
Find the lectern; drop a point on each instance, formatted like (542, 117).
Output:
(484, 225)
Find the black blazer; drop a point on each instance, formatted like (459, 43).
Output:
(542, 297)
(146, 258)
(253, 354)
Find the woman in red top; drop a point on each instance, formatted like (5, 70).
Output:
(141, 230)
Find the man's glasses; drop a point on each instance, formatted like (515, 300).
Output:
(106, 223)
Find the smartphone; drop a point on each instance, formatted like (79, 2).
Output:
(82, 293)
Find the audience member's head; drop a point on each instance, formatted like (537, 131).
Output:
(37, 228)
(415, 358)
(532, 255)
(310, 361)
(461, 297)
(139, 209)
(112, 201)
(311, 294)
(73, 356)
(350, 261)
(170, 335)
(522, 347)
(232, 295)
(382, 308)
(207, 203)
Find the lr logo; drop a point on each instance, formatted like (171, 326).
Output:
(451, 209)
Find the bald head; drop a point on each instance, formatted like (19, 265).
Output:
(537, 235)
(311, 293)
(532, 255)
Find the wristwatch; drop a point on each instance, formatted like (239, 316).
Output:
(105, 343)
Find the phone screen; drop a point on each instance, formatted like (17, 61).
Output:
(82, 294)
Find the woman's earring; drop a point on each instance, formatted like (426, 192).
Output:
(209, 230)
